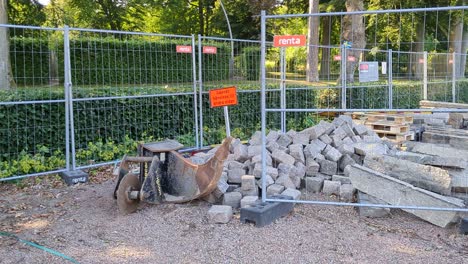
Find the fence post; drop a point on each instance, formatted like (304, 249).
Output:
(425, 76)
(263, 98)
(454, 78)
(66, 46)
(390, 79)
(200, 83)
(343, 76)
(195, 100)
(69, 94)
(283, 88)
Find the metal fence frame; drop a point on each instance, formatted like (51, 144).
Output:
(282, 109)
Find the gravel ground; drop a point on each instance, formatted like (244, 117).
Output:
(82, 221)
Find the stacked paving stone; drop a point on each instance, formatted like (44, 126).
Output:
(314, 158)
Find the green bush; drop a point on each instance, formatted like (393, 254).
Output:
(29, 58)
(250, 63)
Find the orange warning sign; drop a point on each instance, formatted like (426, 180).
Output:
(223, 97)
(289, 41)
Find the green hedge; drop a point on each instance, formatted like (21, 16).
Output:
(250, 63)
(29, 59)
(109, 61)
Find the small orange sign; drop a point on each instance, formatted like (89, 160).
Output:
(223, 97)
(183, 49)
(289, 41)
(337, 57)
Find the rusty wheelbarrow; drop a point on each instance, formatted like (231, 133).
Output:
(165, 176)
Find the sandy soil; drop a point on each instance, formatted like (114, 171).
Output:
(82, 222)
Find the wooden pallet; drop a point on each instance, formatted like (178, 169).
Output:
(397, 119)
(396, 138)
(387, 127)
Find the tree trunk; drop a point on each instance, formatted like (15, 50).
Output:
(5, 69)
(312, 48)
(456, 36)
(201, 18)
(416, 63)
(325, 63)
(354, 32)
(463, 53)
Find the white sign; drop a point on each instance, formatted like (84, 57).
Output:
(384, 67)
(368, 71)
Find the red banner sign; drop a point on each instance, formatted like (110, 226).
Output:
(183, 49)
(289, 41)
(210, 50)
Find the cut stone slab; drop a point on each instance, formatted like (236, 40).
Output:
(295, 194)
(427, 177)
(437, 150)
(314, 184)
(297, 152)
(235, 175)
(369, 149)
(331, 187)
(371, 212)
(232, 199)
(459, 180)
(450, 162)
(220, 214)
(275, 189)
(347, 192)
(397, 192)
(328, 167)
(282, 157)
(248, 201)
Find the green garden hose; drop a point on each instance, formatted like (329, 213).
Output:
(51, 251)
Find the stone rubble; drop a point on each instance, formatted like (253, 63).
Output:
(329, 157)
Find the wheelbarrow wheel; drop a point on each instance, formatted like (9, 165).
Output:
(129, 183)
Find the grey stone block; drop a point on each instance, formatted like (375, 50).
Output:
(347, 141)
(232, 165)
(295, 194)
(332, 153)
(282, 157)
(234, 176)
(314, 184)
(326, 139)
(275, 189)
(341, 179)
(312, 167)
(258, 159)
(291, 133)
(314, 148)
(301, 138)
(336, 141)
(397, 192)
(356, 139)
(248, 201)
(220, 214)
(328, 167)
(240, 153)
(285, 181)
(284, 140)
(284, 169)
(272, 146)
(364, 149)
(248, 183)
(346, 149)
(232, 199)
(256, 138)
(252, 192)
(348, 130)
(360, 129)
(345, 161)
(254, 150)
(339, 133)
(371, 212)
(272, 136)
(257, 171)
(299, 170)
(269, 181)
(331, 187)
(297, 152)
(347, 192)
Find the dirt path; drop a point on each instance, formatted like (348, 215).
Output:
(82, 222)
